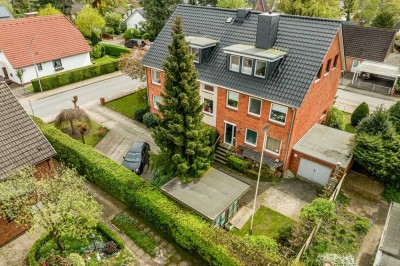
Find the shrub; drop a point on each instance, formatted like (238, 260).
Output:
(394, 115)
(362, 225)
(265, 243)
(237, 164)
(359, 113)
(129, 35)
(190, 231)
(284, 234)
(139, 113)
(114, 50)
(318, 209)
(335, 118)
(110, 248)
(102, 131)
(111, 235)
(35, 248)
(337, 260)
(146, 36)
(391, 194)
(97, 52)
(212, 135)
(75, 75)
(150, 120)
(75, 260)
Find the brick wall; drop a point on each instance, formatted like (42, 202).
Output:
(153, 89)
(349, 62)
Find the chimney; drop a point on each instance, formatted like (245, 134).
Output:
(267, 29)
(30, 14)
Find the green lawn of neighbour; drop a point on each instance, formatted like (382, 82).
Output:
(266, 222)
(347, 121)
(129, 104)
(104, 59)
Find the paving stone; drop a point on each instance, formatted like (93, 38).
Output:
(183, 263)
(147, 257)
(140, 253)
(157, 239)
(170, 247)
(146, 229)
(172, 264)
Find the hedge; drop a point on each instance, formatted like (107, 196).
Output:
(46, 237)
(115, 50)
(237, 164)
(359, 114)
(189, 230)
(75, 75)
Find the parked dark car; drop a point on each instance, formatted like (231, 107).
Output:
(137, 157)
(134, 43)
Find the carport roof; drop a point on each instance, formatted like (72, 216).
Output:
(210, 195)
(327, 144)
(391, 237)
(378, 68)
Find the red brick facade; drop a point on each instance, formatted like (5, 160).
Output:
(349, 62)
(10, 230)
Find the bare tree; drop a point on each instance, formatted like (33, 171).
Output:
(72, 115)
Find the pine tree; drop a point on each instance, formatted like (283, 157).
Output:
(182, 136)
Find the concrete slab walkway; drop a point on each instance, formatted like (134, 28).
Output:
(241, 217)
(15, 253)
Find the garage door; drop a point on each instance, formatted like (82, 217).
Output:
(314, 172)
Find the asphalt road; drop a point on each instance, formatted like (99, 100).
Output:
(47, 108)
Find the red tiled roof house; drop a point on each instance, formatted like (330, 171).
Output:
(53, 43)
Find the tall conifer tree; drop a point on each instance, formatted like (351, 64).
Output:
(182, 136)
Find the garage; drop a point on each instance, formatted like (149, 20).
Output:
(320, 151)
(314, 172)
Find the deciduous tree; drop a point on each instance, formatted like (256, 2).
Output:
(233, 4)
(311, 8)
(90, 23)
(182, 136)
(384, 19)
(349, 6)
(48, 10)
(131, 64)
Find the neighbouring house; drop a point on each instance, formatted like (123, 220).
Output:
(388, 253)
(21, 145)
(262, 6)
(215, 196)
(257, 70)
(366, 43)
(41, 46)
(75, 9)
(5, 13)
(134, 18)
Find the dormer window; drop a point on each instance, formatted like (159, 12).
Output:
(234, 63)
(200, 47)
(261, 69)
(247, 66)
(196, 54)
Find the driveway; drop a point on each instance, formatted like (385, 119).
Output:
(289, 196)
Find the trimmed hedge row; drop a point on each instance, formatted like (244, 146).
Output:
(189, 230)
(237, 164)
(115, 50)
(111, 235)
(75, 75)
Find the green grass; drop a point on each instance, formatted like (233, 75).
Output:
(29, 88)
(347, 121)
(134, 232)
(266, 222)
(129, 104)
(104, 59)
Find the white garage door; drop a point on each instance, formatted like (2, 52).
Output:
(314, 171)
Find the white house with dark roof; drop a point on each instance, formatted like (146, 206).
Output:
(134, 18)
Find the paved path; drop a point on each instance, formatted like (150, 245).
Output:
(15, 253)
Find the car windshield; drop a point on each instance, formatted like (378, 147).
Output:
(133, 157)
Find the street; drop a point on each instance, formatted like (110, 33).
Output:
(47, 107)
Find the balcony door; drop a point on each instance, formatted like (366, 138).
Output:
(230, 133)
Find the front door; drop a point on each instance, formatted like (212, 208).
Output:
(230, 132)
(5, 73)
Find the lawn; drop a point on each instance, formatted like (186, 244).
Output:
(266, 222)
(129, 104)
(137, 234)
(347, 121)
(104, 59)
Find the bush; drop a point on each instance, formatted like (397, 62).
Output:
(75, 75)
(284, 234)
(189, 230)
(237, 164)
(362, 225)
(335, 118)
(129, 35)
(318, 209)
(359, 113)
(114, 50)
(150, 120)
(35, 248)
(212, 135)
(394, 116)
(111, 235)
(265, 243)
(97, 52)
(146, 36)
(391, 194)
(139, 113)
(110, 248)
(75, 260)
(337, 259)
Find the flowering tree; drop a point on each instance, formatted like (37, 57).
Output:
(131, 64)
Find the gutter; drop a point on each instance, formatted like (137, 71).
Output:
(289, 136)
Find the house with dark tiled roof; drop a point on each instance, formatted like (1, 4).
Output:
(366, 43)
(266, 80)
(41, 46)
(21, 145)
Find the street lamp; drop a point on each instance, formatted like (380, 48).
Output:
(265, 130)
(93, 236)
(34, 65)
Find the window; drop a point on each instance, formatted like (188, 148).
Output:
(232, 99)
(251, 137)
(247, 66)
(335, 60)
(234, 63)
(273, 145)
(156, 100)
(155, 77)
(196, 54)
(254, 106)
(57, 64)
(208, 106)
(278, 113)
(208, 88)
(328, 66)
(318, 77)
(39, 67)
(261, 68)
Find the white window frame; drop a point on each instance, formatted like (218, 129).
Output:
(155, 103)
(152, 76)
(208, 113)
(191, 52)
(255, 69)
(230, 63)
(245, 138)
(270, 114)
(248, 109)
(251, 68)
(203, 85)
(272, 152)
(227, 100)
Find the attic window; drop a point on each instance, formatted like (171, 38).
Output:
(200, 47)
(234, 63)
(319, 74)
(196, 54)
(335, 60)
(261, 69)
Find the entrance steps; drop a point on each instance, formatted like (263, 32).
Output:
(220, 153)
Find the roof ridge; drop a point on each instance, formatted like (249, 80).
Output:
(32, 19)
(311, 18)
(371, 27)
(214, 8)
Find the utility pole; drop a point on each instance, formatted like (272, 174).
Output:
(34, 65)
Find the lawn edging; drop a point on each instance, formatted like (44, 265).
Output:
(189, 230)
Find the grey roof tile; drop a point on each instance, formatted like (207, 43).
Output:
(306, 40)
(21, 142)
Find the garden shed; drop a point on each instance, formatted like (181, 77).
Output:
(215, 196)
(319, 152)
